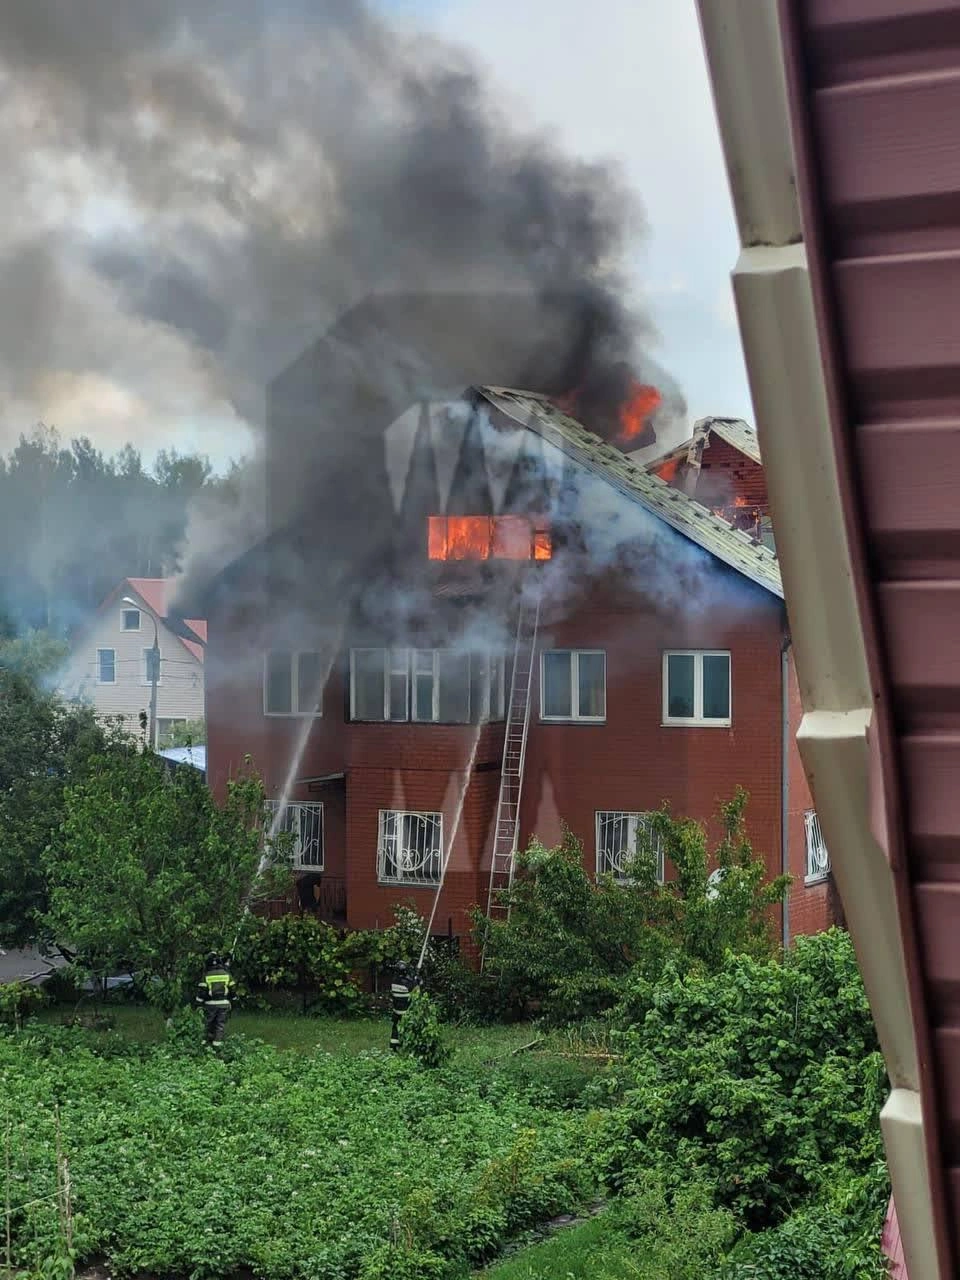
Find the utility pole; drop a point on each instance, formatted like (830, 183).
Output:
(154, 668)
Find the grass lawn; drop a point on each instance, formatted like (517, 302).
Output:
(591, 1251)
(346, 1036)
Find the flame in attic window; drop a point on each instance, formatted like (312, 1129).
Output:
(488, 538)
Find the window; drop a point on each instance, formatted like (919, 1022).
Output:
(573, 684)
(130, 620)
(106, 666)
(410, 848)
(439, 686)
(167, 727)
(620, 836)
(818, 857)
(292, 683)
(696, 687)
(303, 824)
(148, 661)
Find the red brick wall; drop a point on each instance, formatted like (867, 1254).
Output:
(630, 762)
(726, 474)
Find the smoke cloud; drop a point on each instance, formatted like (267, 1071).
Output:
(199, 189)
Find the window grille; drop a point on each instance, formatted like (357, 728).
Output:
(304, 822)
(818, 857)
(410, 848)
(620, 836)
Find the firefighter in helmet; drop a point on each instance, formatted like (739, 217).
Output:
(213, 993)
(401, 988)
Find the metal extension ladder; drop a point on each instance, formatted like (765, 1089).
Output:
(514, 753)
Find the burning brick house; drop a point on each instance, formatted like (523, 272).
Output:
(494, 623)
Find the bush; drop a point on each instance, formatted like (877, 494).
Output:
(18, 999)
(764, 1079)
(420, 1035)
(577, 947)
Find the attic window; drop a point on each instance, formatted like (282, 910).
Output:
(488, 538)
(130, 620)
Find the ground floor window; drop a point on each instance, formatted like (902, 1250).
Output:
(620, 837)
(167, 727)
(818, 857)
(410, 847)
(429, 686)
(301, 825)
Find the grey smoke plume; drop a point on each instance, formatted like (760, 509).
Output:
(200, 187)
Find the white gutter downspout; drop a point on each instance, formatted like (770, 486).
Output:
(785, 366)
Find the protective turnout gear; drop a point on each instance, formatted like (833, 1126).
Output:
(213, 993)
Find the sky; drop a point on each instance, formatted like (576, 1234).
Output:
(85, 341)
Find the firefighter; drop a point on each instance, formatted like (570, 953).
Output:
(213, 993)
(401, 989)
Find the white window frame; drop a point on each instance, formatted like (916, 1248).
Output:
(145, 669)
(698, 719)
(106, 649)
(575, 655)
(815, 848)
(124, 614)
(393, 666)
(309, 853)
(607, 864)
(294, 686)
(428, 880)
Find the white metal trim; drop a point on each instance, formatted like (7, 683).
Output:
(633, 817)
(400, 814)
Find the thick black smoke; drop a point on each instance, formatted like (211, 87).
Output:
(201, 187)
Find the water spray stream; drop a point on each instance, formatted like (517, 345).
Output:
(296, 758)
(471, 760)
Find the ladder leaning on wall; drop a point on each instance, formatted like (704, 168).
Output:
(507, 827)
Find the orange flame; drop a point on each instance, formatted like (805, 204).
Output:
(488, 538)
(640, 403)
(740, 501)
(668, 471)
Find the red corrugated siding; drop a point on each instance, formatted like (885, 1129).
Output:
(875, 88)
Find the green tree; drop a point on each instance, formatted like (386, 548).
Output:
(44, 743)
(150, 873)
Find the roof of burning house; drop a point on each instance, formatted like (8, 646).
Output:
(677, 509)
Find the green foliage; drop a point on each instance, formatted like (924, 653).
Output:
(420, 1035)
(278, 1164)
(578, 947)
(148, 873)
(319, 962)
(763, 1079)
(18, 999)
(44, 744)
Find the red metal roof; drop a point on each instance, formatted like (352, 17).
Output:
(156, 594)
(875, 98)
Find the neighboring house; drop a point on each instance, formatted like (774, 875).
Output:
(110, 662)
(509, 560)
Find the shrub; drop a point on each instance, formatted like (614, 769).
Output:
(763, 1079)
(420, 1034)
(17, 999)
(577, 947)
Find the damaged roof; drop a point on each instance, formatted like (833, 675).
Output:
(737, 433)
(675, 508)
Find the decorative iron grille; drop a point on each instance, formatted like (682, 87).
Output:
(620, 836)
(818, 856)
(304, 822)
(410, 849)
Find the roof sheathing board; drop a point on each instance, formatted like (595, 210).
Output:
(675, 508)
